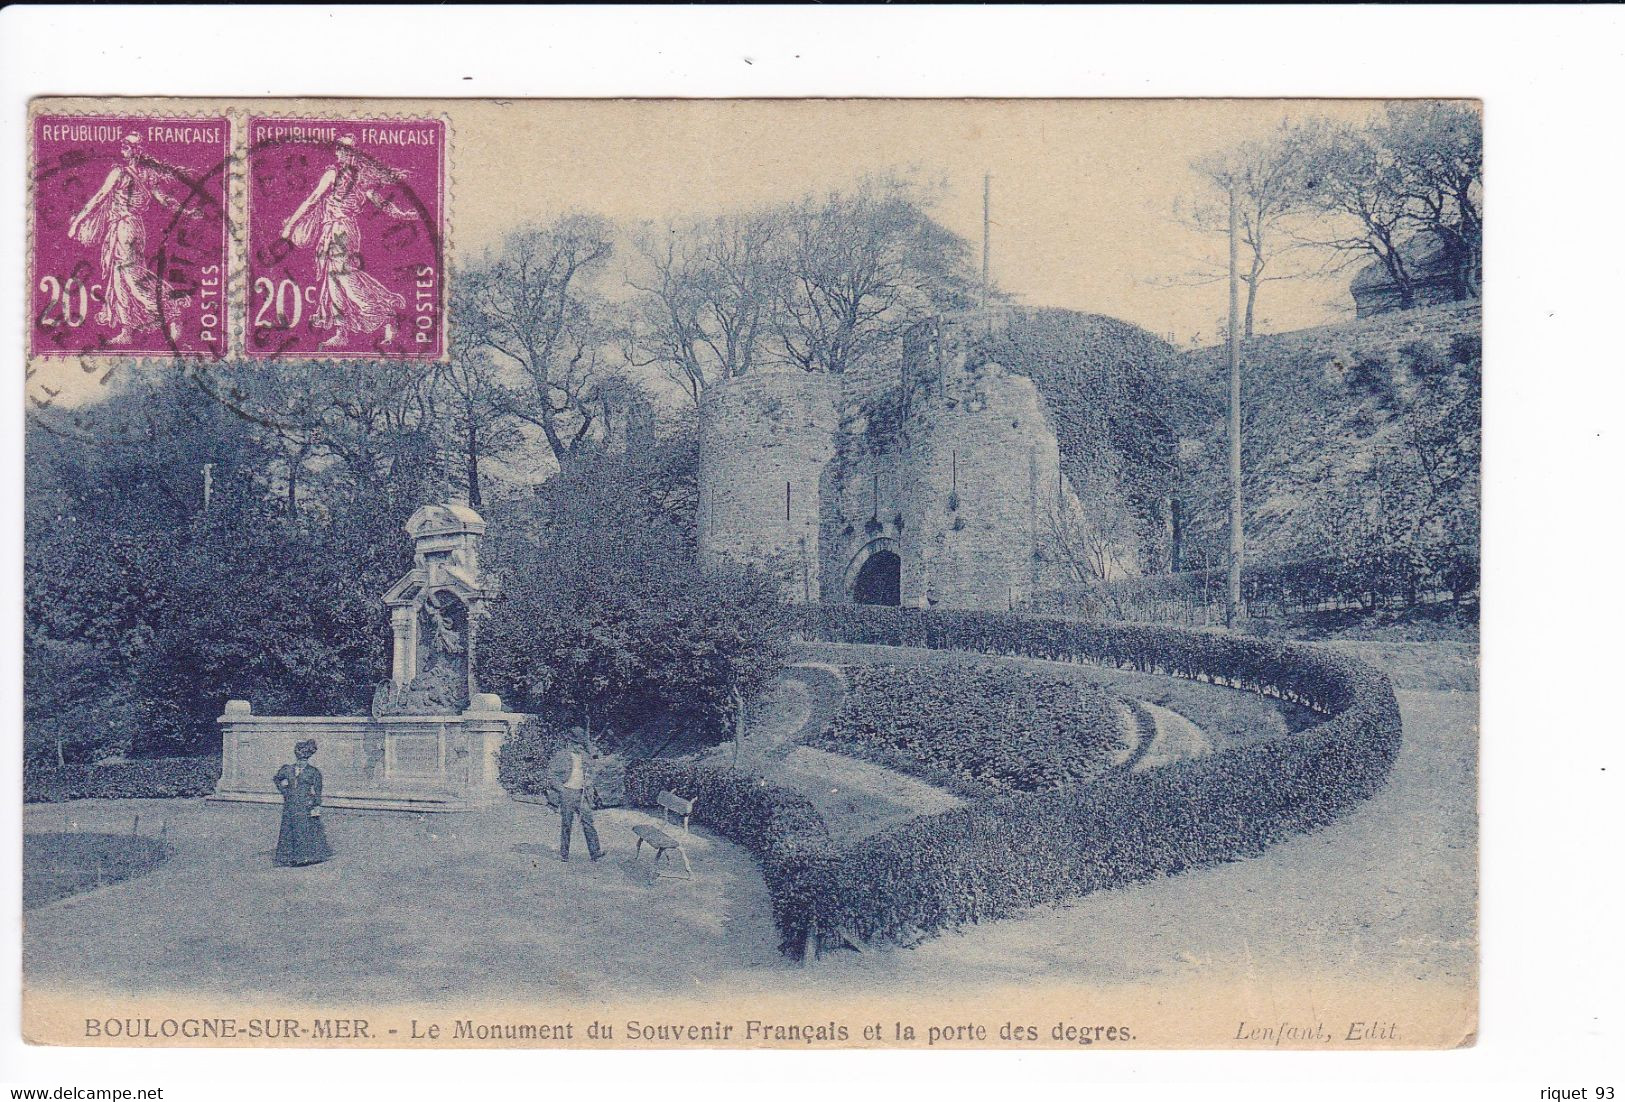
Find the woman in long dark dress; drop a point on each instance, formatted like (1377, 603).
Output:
(302, 841)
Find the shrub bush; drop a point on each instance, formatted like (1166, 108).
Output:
(1276, 669)
(522, 763)
(993, 857)
(781, 828)
(608, 615)
(140, 779)
(975, 728)
(522, 760)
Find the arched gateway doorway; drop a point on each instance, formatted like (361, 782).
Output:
(876, 575)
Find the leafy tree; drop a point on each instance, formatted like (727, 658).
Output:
(1350, 176)
(111, 489)
(282, 614)
(1417, 172)
(608, 616)
(144, 610)
(1438, 150)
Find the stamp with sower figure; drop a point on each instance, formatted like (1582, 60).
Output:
(346, 254)
(130, 235)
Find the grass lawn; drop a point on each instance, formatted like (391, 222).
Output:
(60, 864)
(1436, 622)
(857, 798)
(1442, 667)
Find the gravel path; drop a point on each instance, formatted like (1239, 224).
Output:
(474, 906)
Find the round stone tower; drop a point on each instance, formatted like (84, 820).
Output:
(765, 439)
(983, 479)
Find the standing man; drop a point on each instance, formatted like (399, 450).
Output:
(570, 771)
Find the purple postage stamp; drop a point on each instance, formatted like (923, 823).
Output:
(346, 254)
(130, 236)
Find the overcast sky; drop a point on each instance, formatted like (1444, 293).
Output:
(1083, 191)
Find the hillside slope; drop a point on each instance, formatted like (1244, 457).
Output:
(1115, 395)
(1370, 424)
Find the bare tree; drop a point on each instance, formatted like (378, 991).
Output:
(1091, 542)
(1265, 175)
(535, 307)
(861, 266)
(706, 297)
(477, 409)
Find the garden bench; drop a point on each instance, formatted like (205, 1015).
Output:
(670, 804)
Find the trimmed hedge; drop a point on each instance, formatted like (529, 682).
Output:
(994, 857)
(976, 728)
(140, 779)
(781, 828)
(1287, 671)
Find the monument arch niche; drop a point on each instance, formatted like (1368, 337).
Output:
(434, 612)
(431, 740)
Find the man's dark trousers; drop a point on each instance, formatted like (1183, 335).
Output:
(570, 805)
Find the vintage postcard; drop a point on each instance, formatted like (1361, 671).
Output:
(807, 574)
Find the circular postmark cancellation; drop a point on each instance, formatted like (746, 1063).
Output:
(136, 249)
(345, 241)
(130, 237)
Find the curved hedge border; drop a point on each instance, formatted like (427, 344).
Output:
(1288, 671)
(781, 828)
(994, 857)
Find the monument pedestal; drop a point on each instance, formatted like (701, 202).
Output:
(394, 763)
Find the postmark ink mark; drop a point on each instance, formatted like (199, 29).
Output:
(346, 255)
(130, 236)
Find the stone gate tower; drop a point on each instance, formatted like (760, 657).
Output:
(933, 479)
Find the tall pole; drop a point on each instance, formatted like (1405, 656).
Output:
(1233, 612)
(987, 222)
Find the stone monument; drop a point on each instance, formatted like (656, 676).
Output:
(431, 741)
(435, 613)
